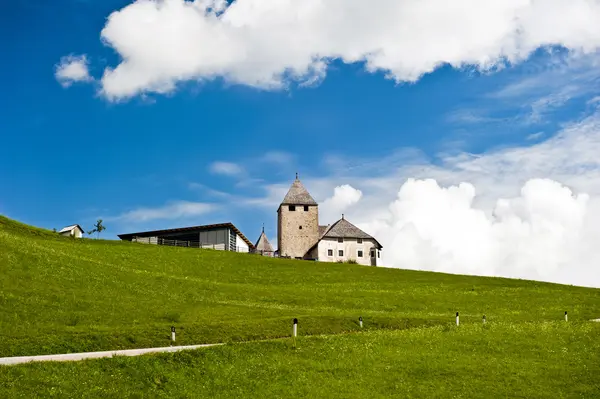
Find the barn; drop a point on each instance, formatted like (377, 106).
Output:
(221, 236)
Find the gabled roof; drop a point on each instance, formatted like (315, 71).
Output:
(298, 195)
(344, 229)
(263, 243)
(71, 227)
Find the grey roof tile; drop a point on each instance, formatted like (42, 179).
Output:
(322, 230)
(344, 229)
(263, 243)
(298, 195)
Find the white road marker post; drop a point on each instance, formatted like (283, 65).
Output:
(566, 318)
(295, 331)
(483, 319)
(457, 322)
(360, 321)
(173, 333)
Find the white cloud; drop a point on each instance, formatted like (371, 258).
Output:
(544, 232)
(174, 210)
(545, 105)
(526, 212)
(534, 92)
(343, 198)
(541, 234)
(208, 190)
(267, 43)
(226, 168)
(72, 69)
(470, 116)
(535, 136)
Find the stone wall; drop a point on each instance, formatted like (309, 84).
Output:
(298, 230)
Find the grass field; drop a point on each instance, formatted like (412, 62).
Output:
(520, 360)
(63, 295)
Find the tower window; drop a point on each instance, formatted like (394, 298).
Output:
(292, 208)
(300, 227)
(378, 254)
(305, 208)
(330, 252)
(359, 240)
(340, 239)
(360, 254)
(341, 252)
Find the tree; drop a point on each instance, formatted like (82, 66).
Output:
(98, 228)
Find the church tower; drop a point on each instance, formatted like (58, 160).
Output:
(297, 222)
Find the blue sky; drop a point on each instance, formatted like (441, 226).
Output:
(219, 147)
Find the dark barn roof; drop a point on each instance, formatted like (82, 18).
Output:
(154, 233)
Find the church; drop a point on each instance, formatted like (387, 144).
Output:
(300, 236)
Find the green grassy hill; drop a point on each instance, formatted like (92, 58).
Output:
(64, 295)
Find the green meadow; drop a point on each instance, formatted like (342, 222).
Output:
(516, 360)
(61, 295)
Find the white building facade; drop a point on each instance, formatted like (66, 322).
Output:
(364, 251)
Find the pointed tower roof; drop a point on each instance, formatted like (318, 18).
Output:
(263, 243)
(298, 195)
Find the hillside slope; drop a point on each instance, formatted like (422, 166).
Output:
(64, 295)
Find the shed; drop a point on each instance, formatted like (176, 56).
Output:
(73, 230)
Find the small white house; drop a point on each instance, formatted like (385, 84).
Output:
(343, 241)
(74, 230)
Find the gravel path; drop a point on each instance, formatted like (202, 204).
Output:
(96, 355)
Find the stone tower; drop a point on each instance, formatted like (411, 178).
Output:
(297, 222)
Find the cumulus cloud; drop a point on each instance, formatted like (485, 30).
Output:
(542, 234)
(536, 215)
(174, 210)
(72, 69)
(268, 43)
(343, 198)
